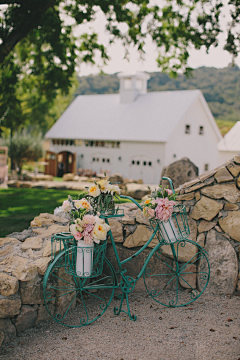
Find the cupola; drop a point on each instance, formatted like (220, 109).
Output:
(131, 85)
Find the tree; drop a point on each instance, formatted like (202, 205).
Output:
(24, 147)
(174, 25)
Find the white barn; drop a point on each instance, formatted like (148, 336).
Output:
(229, 145)
(134, 133)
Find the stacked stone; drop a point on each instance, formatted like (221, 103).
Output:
(24, 258)
(213, 206)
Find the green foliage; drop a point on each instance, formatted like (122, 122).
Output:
(24, 147)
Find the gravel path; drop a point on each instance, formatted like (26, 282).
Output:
(207, 329)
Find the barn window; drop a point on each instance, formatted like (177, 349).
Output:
(133, 162)
(93, 159)
(103, 160)
(144, 163)
(187, 129)
(206, 167)
(200, 130)
(138, 162)
(150, 163)
(108, 160)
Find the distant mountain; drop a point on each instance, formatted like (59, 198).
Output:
(221, 87)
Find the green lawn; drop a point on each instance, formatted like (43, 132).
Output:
(18, 207)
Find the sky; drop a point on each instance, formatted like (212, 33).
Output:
(217, 57)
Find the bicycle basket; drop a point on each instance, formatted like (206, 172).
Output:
(175, 229)
(85, 260)
(61, 241)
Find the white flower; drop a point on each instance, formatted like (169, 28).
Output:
(94, 190)
(100, 231)
(113, 189)
(82, 204)
(66, 206)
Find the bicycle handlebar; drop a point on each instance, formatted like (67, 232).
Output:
(170, 181)
(130, 198)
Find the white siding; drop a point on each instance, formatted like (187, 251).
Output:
(200, 149)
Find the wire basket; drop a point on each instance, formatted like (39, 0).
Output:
(85, 260)
(175, 229)
(61, 241)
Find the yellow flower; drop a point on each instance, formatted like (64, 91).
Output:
(82, 204)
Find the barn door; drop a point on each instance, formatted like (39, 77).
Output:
(141, 167)
(51, 160)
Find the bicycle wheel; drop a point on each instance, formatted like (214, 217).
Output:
(177, 274)
(77, 301)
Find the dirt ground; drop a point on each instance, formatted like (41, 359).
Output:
(207, 329)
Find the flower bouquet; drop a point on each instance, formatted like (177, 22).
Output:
(159, 207)
(101, 196)
(87, 228)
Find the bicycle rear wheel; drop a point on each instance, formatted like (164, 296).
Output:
(177, 274)
(75, 301)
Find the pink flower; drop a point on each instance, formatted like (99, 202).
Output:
(88, 234)
(78, 235)
(169, 191)
(164, 209)
(89, 219)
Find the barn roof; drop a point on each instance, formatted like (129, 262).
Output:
(151, 117)
(231, 141)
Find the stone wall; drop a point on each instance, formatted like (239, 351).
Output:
(213, 206)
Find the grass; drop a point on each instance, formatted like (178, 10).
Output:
(18, 207)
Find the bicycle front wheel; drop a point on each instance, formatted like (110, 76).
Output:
(75, 301)
(177, 274)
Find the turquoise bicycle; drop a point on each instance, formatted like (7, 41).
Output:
(175, 273)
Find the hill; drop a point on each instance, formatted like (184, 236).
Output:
(221, 88)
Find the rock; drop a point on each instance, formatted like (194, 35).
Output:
(9, 330)
(189, 196)
(42, 264)
(201, 240)
(25, 185)
(8, 285)
(21, 235)
(197, 196)
(223, 264)
(53, 229)
(137, 191)
(234, 169)
(127, 220)
(206, 209)
(205, 226)
(55, 218)
(7, 250)
(207, 175)
(43, 313)
(116, 179)
(9, 307)
(142, 219)
(238, 182)
(63, 302)
(189, 281)
(230, 207)
(140, 236)
(185, 253)
(31, 294)
(193, 229)
(1, 337)
(226, 191)
(68, 177)
(26, 319)
(231, 225)
(199, 186)
(8, 240)
(218, 228)
(117, 230)
(38, 221)
(34, 243)
(180, 172)
(25, 271)
(223, 175)
(237, 159)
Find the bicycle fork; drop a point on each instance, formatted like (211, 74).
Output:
(127, 285)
